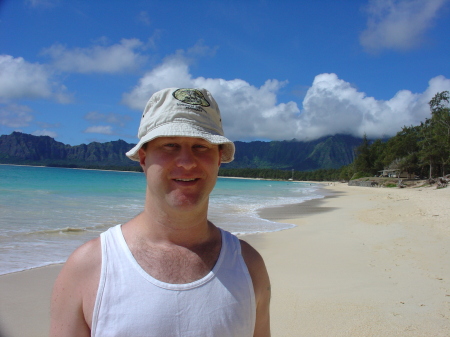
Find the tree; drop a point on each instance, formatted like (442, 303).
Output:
(429, 150)
(402, 150)
(440, 123)
(362, 162)
(346, 172)
(376, 151)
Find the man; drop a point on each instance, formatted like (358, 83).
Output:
(169, 271)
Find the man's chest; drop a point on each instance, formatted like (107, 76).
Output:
(176, 264)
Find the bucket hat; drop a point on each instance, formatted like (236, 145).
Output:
(175, 112)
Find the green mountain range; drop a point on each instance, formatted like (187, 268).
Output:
(323, 153)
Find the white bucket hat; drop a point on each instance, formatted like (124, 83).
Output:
(177, 112)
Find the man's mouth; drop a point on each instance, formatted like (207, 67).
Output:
(192, 179)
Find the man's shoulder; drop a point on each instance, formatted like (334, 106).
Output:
(87, 251)
(86, 259)
(261, 286)
(251, 256)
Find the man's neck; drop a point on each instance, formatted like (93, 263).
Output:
(185, 228)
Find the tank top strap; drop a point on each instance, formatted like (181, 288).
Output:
(230, 241)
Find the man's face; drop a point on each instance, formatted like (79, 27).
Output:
(181, 171)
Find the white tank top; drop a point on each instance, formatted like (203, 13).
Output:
(132, 303)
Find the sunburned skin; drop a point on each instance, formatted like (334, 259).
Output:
(175, 263)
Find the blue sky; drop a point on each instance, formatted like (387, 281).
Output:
(82, 71)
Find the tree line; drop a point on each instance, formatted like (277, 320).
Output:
(316, 175)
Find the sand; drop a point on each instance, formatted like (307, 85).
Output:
(361, 262)
(25, 302)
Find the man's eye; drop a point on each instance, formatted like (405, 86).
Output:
(201, 147)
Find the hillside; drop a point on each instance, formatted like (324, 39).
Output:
(323, 153)
(25, 149)
(327, 152)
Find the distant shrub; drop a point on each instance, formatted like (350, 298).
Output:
(359, 175)
(390, 185)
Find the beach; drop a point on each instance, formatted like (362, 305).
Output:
(360, 262)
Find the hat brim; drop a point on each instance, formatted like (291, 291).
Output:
(185, 130)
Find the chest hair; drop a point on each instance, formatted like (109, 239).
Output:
(177, 264)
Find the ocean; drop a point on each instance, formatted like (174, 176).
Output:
(45, 213)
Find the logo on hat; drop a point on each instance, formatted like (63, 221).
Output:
(191, 96)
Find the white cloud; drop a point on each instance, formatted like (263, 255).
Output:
(174, 72)
(116, 58)
(45, 132)
(102, 129)
(15, 116)
(250, 112)
(331, 105)
(398, 24)
(21, 79)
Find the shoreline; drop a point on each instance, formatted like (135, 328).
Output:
(298, 210)
(360, 262)
(71, 168)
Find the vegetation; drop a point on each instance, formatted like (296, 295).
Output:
(422, 150)
(330, 152)
(317, 175)
(390, 185)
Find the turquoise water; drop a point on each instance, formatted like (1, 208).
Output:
(45, 213)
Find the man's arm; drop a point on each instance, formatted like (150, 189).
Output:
(74, 292)
(261, 285)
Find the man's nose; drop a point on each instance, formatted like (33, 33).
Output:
(186, 158)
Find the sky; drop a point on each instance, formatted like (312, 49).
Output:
(82, 71)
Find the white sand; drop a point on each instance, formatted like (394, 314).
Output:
(379, 265)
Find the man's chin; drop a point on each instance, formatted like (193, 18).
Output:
(187, 202)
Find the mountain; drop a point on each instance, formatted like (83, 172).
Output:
(323, 153)
(25, 149)
(326, 152)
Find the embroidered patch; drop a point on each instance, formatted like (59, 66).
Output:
(191, 96)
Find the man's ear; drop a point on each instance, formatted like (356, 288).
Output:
(142, 155)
